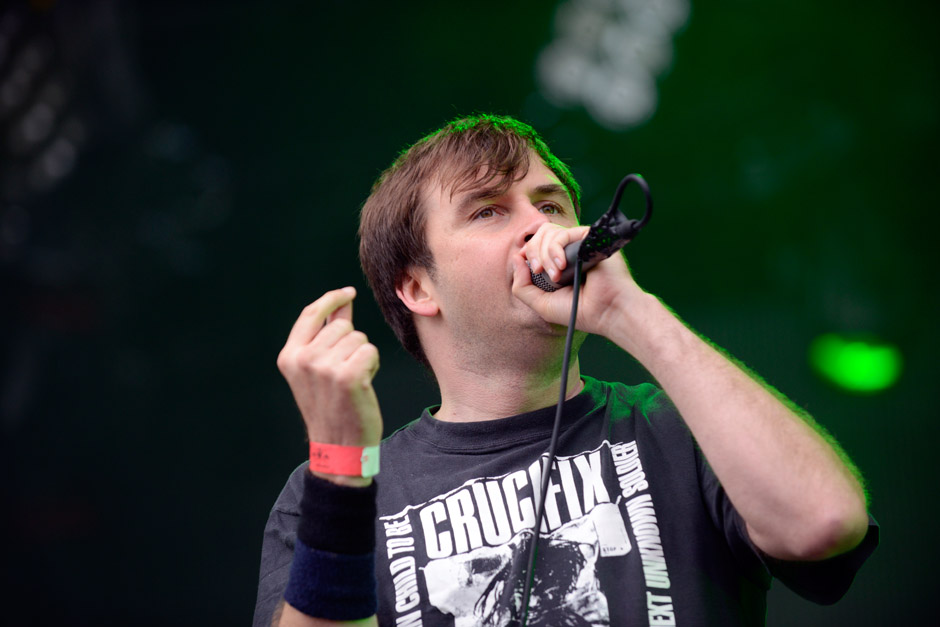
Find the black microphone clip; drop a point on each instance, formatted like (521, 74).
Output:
(610, 233)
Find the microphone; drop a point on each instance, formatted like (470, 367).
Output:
(610, 233)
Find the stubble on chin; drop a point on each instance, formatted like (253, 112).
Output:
(528, 343)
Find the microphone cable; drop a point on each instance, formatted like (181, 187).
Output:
(599, 236)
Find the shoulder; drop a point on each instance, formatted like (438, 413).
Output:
(288, 501)
(643, 400)
(401, 432)
(401, 441)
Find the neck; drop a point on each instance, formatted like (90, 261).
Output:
(476, 394)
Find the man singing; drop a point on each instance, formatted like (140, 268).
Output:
(665, 506)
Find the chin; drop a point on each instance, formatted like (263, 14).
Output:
(552, 335)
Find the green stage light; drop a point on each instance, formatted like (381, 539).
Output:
(863, 365)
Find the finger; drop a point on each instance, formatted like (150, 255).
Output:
(522, 286)
(343, 313)
(331, 334)
(534, 247)
(347, 345)
(365, 359)
(524, 289)
(553, 248)
(530, 254)
(311, 319)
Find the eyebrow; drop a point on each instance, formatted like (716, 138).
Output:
(486, 193)
(552, 188)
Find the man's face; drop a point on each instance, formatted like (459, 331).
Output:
(473, 237)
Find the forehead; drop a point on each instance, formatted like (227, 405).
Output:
(454, 188)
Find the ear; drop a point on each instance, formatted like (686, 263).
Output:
(416, 290)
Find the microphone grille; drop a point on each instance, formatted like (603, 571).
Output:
(539, 281)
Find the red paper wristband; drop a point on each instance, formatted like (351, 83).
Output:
(351, 461)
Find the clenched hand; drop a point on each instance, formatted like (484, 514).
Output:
(329, 366)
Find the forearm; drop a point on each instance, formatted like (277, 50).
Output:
(797, 496)
(332, 572)
(329, 366)
(289, 616)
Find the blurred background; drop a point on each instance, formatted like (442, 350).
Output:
(178, 179)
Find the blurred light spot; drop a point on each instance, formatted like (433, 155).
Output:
(54, 163)
(38, 123)
(34, 56)
(14, 90)
(620, 101)
(606, 56)
(860, 365)
(74, 130)
(53, 93)
(60, 158)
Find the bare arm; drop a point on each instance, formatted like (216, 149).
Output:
(798, 497)
(287, 616)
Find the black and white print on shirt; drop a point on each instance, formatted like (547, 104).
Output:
(464, 552)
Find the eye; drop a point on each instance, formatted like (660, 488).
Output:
(552, 209)
(485, 212)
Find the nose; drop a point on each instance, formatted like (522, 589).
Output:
(534, 218)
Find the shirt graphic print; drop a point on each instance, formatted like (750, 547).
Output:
(467, 549)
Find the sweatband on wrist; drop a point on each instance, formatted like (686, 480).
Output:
(351, 461)
(337, 518)
(333, 572)
(330, 585)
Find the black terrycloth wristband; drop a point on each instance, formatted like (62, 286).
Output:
(332, 586)
(335, 518)
(332, 575)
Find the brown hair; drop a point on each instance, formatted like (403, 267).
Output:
(464, 154)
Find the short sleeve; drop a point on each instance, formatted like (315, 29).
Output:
(824, 581)
(730, 525)
(277, 548)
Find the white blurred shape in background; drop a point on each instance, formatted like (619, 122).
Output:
(607, 54)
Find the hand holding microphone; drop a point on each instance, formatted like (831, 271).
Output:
(610, 233)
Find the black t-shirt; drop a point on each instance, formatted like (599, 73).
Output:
(637, 529)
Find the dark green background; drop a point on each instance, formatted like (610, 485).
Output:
(146, 430)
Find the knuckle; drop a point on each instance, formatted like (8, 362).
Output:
(359, 337)
(550, 229)
(346, 377)
(369, 352)
(371, 355)
(342, 325)
(326, 302)
(312, 309)
(285, 359)
(319, 368)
